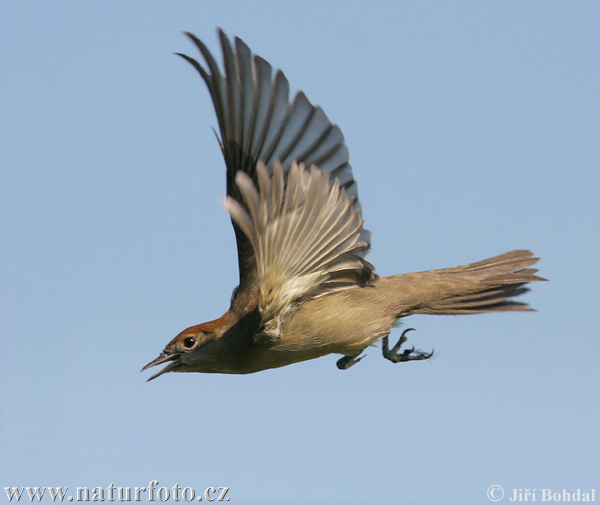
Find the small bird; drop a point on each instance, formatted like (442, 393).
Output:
(305, 288)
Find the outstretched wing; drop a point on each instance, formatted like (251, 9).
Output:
(257, 121)
(304, 233)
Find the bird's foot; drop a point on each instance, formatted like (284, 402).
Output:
(394, 354)
(348, 361)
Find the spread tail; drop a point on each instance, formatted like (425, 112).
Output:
(486, 286)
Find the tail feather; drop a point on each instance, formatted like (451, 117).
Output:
(485, 286)
(494, 300)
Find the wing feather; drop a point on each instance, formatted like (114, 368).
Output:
(304, 232)
(258, 121)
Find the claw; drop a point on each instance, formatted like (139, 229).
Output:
(403, 338)
(394, 354)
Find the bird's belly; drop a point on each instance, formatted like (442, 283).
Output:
(344, 323)
(337, 323)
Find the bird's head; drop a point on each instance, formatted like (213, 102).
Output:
(195, 349)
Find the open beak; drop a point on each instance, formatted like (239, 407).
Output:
(163, 358)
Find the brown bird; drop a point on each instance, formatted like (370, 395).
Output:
(305, 287)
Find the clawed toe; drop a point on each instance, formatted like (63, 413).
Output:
(403, 338)
(394, 354)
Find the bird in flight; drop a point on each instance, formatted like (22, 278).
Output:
(305, 288)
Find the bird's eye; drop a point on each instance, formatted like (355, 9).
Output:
(189, 342)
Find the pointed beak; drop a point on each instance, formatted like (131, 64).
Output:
(163, 358)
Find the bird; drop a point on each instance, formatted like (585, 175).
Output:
(305, 288)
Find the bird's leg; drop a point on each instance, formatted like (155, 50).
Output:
(394, 354)
(347, 361)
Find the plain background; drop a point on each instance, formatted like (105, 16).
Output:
(473, 128)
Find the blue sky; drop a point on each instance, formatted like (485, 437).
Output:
(473, 129)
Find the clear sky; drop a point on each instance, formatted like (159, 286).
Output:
(473, 128)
